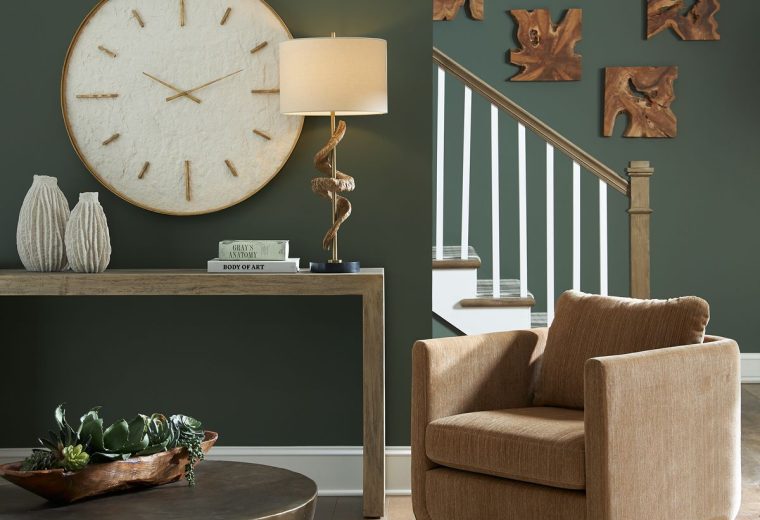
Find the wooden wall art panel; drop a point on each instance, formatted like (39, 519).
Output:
(644, 94)
(448, 9)
(547, 50)
(698, 23)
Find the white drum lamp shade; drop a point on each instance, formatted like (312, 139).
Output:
(345, 76)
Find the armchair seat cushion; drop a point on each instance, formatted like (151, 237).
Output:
(538, 445)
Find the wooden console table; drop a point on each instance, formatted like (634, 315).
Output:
(369, 284)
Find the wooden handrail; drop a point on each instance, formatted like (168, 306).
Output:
(546, 132)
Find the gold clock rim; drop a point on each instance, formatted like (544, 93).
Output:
(106, 184)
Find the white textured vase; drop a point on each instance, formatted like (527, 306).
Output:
(88, 242)
(42, 226)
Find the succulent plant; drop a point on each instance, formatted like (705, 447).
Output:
(56, 441)
(162, 434)
(74, 458)
(117, 442)
(187, 426)
(39, 460)
(190, 436)
(144, 435)
(57, 448)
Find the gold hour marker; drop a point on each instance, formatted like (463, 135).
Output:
(144, 170)
(111, 139)
(226, 15)
(138, 18)
(97, 96)
(266, 91)
(188, 194)
(107, 51)
(181, 13)
(231, 166)
(259, 47)
(262, 134)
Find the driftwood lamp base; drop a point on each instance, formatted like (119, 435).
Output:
(330, 187)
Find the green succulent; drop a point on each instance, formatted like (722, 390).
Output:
(39, 460)
(187, 427)
(190, 436)
(162, 434)
(74, 458)
(56, 441)
(117, 442)
(58, 448)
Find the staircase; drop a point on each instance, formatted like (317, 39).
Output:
(469, 304)
(475, 305)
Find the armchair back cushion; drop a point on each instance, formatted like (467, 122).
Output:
(586, 326)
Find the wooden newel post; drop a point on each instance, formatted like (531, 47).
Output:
(640, 214)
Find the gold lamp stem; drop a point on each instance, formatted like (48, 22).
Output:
(334, 161)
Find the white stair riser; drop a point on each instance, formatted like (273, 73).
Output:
(452, 285)
(482, 320)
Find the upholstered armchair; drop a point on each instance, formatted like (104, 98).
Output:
(523, 425)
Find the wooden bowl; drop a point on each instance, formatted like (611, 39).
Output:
(65, 487)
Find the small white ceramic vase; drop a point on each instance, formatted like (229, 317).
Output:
(88, 242)
(42, 226)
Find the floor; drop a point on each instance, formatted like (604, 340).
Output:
(400, 508)
(350, 508)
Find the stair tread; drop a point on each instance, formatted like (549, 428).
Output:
(509, 297)
(452, 258)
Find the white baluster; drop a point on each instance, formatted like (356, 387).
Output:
(523, 209)
(439, 164)
(549, 233)
(576, 226)
(603, 265)
(466, 173)
(496, 274)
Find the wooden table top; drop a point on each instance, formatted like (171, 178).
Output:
(187, 282)
(225, 491)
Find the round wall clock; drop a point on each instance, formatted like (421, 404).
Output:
(173, 105)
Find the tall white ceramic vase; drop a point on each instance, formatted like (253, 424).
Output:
(88, 242)
(42, 226)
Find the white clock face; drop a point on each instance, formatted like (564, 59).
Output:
(174, 104)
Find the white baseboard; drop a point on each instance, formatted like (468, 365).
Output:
(337, 470)
(750, 368)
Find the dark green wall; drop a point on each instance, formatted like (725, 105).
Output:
(262, 371)
(705, 187)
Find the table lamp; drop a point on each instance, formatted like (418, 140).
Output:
(333, 77)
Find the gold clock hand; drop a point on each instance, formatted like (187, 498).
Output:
(196, 89)
(175, 89)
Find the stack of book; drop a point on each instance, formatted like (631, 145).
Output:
(254, 256)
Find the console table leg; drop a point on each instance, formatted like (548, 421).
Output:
(373, 305)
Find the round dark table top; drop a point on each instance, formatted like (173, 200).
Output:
(225, 491)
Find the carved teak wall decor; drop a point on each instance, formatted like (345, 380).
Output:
(698, 23)
(448, 9)
(547, 50)
(645, 95)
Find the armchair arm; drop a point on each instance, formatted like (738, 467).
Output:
(466, 374)
(662, 433)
